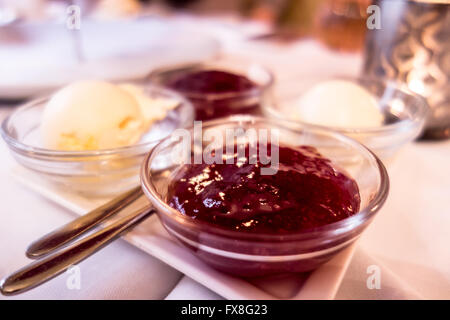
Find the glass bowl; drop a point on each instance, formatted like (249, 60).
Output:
(215, 105)
(404, 113)
(93, 173)
(245, 254)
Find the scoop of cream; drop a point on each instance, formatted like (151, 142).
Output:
(90, 115)
(339, 103)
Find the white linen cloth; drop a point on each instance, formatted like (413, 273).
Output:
(408, 240)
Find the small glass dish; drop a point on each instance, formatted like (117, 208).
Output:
(216, 105)
(404, 113)
(246, 254)
(93, 173)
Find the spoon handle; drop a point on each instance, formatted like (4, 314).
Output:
(40, 271)
(72, 230)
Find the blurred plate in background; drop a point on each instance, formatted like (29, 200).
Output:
(37, 57)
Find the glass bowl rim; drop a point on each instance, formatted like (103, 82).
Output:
(215, 96)
(418, 117)
(21, 147)
(338, 227)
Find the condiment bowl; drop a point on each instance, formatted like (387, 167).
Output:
(404, 112)
(254, 254)
(215, 105)
(93, 173)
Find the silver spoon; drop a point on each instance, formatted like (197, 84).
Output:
(72, 230)
(40, 271)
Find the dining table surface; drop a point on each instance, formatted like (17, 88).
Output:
(409, 239)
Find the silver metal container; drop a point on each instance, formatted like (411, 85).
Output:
(413, 47)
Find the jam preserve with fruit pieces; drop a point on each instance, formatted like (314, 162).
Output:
(306, 192)
(217, 94)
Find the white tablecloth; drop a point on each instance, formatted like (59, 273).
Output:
(409, 239)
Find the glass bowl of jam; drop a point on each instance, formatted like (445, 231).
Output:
(276, 197)
(219, 89)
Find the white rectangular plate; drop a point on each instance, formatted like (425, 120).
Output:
(151, 237)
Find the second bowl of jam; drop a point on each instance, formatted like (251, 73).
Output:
(318, 193)
(219, 89)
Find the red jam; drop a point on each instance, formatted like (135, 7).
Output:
(201, 86)
(306, 192)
